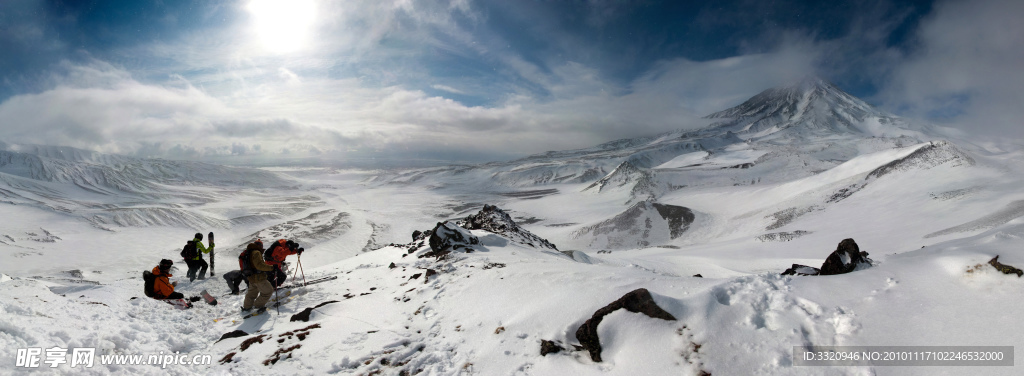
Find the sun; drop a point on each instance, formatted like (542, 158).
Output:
(283, 26)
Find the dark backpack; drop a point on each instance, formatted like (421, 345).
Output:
(245, 263)
(150, 279)
(190, 251)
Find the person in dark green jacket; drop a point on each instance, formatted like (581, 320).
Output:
(198, 266)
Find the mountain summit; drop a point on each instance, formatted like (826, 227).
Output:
(810, 108)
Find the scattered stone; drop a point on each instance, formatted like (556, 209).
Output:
(430, 273)
(252, 341)
(698, 276)
(499, 330)
(392, 266)
(277, 355)
(549, 347)
(1006, 269)
(227, 358)
(417, 235)
(639, 301)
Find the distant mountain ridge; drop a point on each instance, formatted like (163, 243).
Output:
(811, 108)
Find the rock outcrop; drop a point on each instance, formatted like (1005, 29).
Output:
(495, 220)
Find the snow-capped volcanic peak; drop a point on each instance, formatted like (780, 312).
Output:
(812, 107)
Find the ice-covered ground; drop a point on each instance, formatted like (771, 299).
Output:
(80, 228)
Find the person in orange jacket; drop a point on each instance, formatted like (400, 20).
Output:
(162, 287)
(275, 255)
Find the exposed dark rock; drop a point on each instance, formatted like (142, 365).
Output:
(1006, 269)
(430, 272)
(549, 347)
(679, 218)
(782, 236)
(392, 266)
(798, 269)
(325, 303)
(304, 315)
(639, 301)
(633, 227)
(417, 235)
(448, 236)
(234, 334)
(493, 219)
(844, 259)
(227, 358)
(698, 276)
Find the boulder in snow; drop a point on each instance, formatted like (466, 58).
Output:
(447, 236)
(639, 301)
(846, 258)
(1006, 269)
(549, 347)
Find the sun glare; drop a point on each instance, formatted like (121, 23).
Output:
(283, 26)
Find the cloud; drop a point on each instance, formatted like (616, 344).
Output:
(447, 88)
(364, 87)
(966, 69)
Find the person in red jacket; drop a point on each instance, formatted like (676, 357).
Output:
(162, 287)
(275, 255)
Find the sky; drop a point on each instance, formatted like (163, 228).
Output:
(476, 80)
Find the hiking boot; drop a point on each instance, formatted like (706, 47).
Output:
(261, 310)
(201, 278)
(246, 310)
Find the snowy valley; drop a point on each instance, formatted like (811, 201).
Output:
(479, 269)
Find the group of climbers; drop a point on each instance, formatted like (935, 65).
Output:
(262, 270)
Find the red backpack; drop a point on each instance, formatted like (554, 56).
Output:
(245, 258)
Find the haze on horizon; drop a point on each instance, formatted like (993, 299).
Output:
(464, 80)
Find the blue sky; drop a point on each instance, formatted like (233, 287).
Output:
(475, 80)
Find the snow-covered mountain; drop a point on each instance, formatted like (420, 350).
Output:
(455, 270)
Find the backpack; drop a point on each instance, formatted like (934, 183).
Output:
(268, 255)
(150, 279)
(245, 263)
(190, 251)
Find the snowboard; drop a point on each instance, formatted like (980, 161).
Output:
(212, 246)
(208, 298)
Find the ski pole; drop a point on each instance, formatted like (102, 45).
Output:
(303, 272)
(276, 297)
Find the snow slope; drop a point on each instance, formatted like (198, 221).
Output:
(780, 180)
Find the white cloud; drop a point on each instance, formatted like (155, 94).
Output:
(967, 68)
(447, 88)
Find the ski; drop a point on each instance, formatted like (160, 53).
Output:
(257, 313)
(281, 296)
(208, 298)
(211, 256)
(310, 282)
